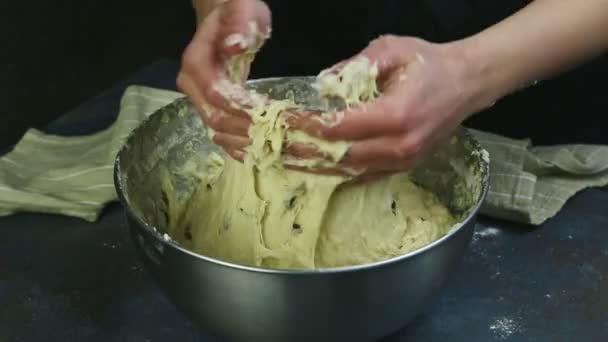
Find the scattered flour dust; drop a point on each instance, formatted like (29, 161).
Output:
(503, 327)
(486, 232)
(485, 249)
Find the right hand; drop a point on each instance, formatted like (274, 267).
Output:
(203, 66)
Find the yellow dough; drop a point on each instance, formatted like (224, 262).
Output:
(259, 213)
(285, 219)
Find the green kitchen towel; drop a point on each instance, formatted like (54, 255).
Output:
(73, 175)
(530, 184)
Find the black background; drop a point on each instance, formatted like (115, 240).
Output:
(56, 54)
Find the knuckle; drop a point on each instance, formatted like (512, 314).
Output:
(218, 138)
(180, 82)
(403, 122)
(395, 115)
(209, 93)
(388, 108)
(401, 115)
(213, 120)
(221, 121)
(407, 148)
(188, 60)
(385, 41)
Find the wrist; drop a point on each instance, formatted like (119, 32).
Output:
(480, 75)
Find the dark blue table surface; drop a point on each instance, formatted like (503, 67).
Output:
(63, 279)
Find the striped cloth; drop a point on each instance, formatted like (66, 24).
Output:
(530, 184)
(73, 175)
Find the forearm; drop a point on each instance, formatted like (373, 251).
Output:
(203, 7)
(542, 40)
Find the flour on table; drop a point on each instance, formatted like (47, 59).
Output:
(484, 233)
(503, 327)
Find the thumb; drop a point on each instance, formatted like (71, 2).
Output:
(390, 52)
(244, 23)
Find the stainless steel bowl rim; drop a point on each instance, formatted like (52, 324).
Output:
(344, 269)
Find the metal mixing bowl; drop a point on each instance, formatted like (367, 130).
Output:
(359, 303)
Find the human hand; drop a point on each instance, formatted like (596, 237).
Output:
(427, 91)
(227, 31)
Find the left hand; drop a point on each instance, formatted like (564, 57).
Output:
(427, 91)
(203, 67)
